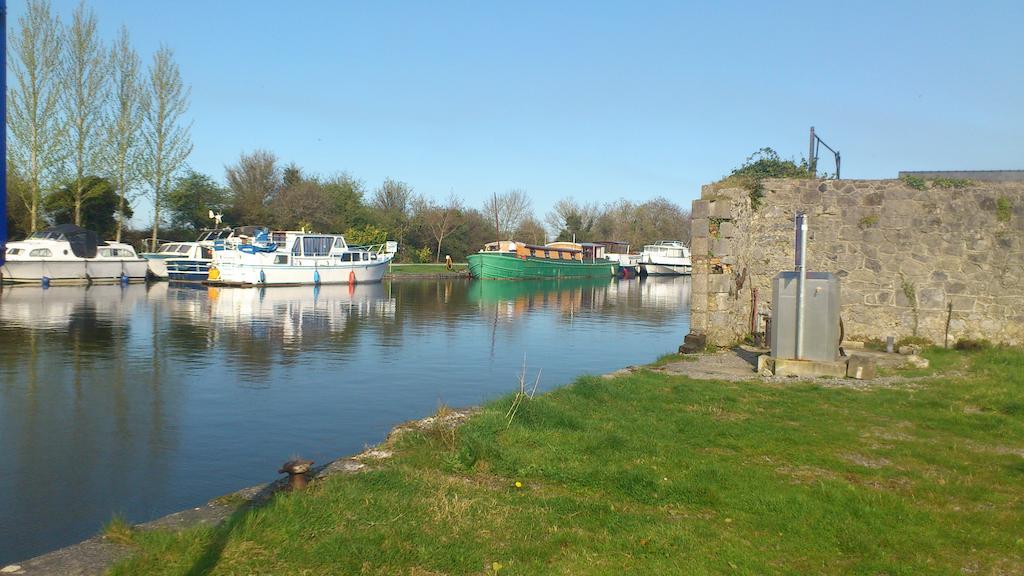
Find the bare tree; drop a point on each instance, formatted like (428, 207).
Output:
(124, 122)
(36, 127)
(255, 180)
(568, 219)
(166, 141)
(531, 231)
(441, 219)
(84, 100)
(507, 210)
(392, 201)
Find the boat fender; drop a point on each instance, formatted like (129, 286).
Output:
(124, 278)
(351, 277)
(316, 277)
(45, 281)
(263, 277)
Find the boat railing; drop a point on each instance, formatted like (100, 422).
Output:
(389, 247)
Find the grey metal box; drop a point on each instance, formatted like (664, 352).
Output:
(821, 316)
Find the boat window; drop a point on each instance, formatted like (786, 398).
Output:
(183, 249)
(13, 251)
(339, 242)
(40, 253)
(281, 259)
(207, 254)
(297, 248)
(346, 256)
(107, 252)
(317, 245)
(168, 248)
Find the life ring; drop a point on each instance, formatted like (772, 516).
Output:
(448, 261)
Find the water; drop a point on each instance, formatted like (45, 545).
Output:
(144, 400)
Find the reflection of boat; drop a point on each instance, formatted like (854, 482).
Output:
(568, 295)
(665, 257)
(67, 254)
(514, 260)
(296, 258)
(55, 308)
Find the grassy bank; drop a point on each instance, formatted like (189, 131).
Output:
(426, 269)
(656, 474)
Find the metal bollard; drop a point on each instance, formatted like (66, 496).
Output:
(296, 471)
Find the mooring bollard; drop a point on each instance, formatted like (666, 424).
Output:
(890, 344)
(296, 471)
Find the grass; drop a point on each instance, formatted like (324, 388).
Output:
(399, 269)
(650, 473)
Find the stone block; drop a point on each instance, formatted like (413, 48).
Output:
(699, 245)
(721, 246)
(699, 228)
(718, 283)
(693, 342)
(809, 368)
(699, 209)
(726, 230)
(860, 367)
(720, 209)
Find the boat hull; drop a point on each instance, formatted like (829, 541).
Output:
(650, 269)
(188, 270)
(233, 274)
(79, 271)
(502, 266)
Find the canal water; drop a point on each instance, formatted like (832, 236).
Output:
(143, 400)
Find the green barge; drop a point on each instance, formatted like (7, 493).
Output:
(509, 260)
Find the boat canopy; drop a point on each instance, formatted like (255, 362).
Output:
(83, 242)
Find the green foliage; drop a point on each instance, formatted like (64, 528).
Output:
(914, 182)
(99, 206)
(910, 292)
(952, 183)
(868, 221)
(365, 235)
(424, 255)
(973, 345)
(1003, 209)
(914, 340)
(765, 163)
(192, 197)
(652, 473)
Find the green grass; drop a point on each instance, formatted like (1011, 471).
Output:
(651, 473)
(399, 269)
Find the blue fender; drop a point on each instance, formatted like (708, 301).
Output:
(316, 277)
(45, 281)
(263, 277)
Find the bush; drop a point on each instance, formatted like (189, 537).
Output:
(972, 345)
(765, 163)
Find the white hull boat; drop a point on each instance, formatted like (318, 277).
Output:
(665, 257)
(67, 254)
(294, 258)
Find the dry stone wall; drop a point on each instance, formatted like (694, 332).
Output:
(903, 254)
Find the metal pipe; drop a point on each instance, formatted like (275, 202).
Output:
(801, 280)
(3, 132)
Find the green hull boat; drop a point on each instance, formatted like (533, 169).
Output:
(509, 266)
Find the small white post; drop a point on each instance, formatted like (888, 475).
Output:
(801, 266)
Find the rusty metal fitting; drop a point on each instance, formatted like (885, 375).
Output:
(296, 470)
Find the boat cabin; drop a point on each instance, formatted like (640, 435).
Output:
(553, 251)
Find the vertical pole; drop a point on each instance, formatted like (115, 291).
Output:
(801, 279)
(3, 131)
(811, 160)
(838, 159)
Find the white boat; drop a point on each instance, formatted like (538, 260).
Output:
(292, 258)
(629, 264)
(67, 254)
(190, 261)
(665, 257)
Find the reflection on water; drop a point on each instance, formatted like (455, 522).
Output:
(142, 400)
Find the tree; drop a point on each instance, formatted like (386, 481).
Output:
(36, 127)
(301, 203)
(254, 182)
(531, 231)
(84, 101)
(124, 123)
(18, 225)
(439, 218)
(166, 142)
(346, 208)
(392, 202)
(94, 202)
(190, 200)
(570, 220)
(507, 210)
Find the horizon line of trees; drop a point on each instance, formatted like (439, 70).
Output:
(88, 125)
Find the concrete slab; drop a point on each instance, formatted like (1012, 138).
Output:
(803, 368)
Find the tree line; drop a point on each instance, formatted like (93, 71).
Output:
(261, 190)
(88, 126)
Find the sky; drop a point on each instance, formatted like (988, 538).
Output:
(591, 100)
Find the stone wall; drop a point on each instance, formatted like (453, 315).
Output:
(902, 255)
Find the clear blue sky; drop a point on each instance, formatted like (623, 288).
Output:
(596, 100)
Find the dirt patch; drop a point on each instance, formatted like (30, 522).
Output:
(865, 461)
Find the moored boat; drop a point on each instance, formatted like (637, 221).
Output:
(629, 264)
(190, 261)
(293, 258)
(67, 254)
(665, 257)
(508, 260)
